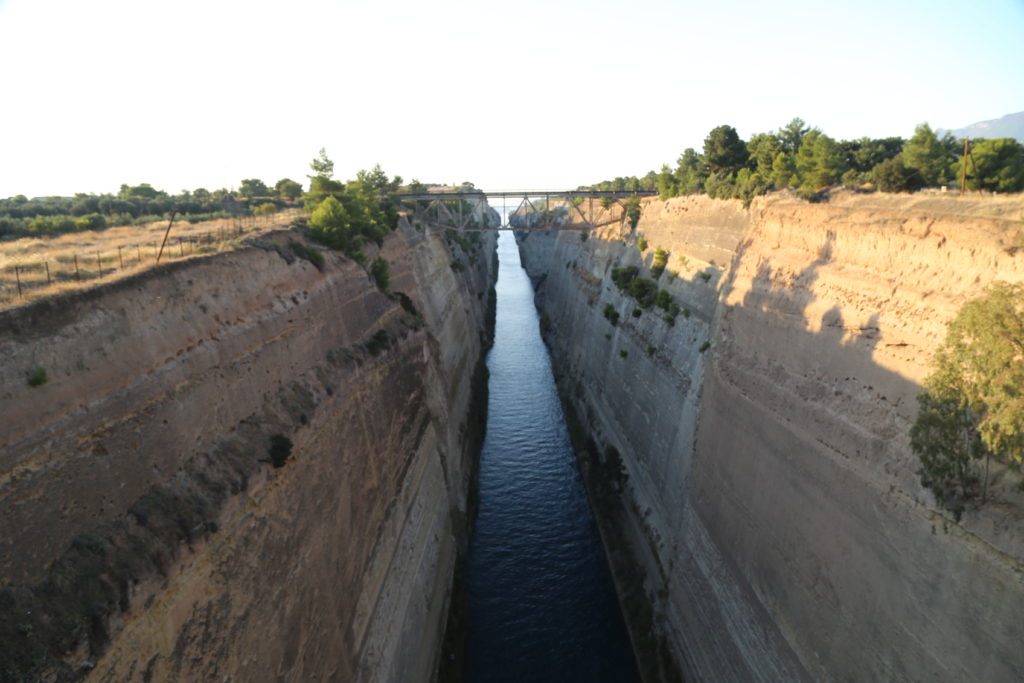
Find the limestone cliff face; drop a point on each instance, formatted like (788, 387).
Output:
(773, 501)
(146, 534)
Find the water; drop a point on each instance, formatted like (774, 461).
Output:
(542, 605)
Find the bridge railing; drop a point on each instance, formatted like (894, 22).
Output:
(449, 207)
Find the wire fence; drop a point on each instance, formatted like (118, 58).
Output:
(34, 269)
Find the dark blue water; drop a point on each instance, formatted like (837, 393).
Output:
(542, 605)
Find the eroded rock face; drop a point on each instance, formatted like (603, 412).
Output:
(773, 502)
(141, 510)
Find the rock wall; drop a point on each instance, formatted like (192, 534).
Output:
(147, 534)
(773, 503)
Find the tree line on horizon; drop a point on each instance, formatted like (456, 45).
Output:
(137, 204)
(806, 159)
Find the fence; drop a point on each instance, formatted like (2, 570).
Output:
(32, 268)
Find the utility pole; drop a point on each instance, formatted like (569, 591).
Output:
(963, 172)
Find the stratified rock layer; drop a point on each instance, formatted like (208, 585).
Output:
(773, 500)
(142, 516)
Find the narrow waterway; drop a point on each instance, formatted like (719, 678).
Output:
(542, 605)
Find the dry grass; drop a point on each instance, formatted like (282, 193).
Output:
(48, 266)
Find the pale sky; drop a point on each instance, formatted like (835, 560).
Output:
(525, 94)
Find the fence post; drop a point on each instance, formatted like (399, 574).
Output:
(120, 259)
(99, 265)
(48, 281)
(138, 251)
(78, 276)
(17, 276)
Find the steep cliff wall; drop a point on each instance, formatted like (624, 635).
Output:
(146, 533)
(772, 498)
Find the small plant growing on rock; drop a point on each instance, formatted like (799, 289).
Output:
(623, 353)
(378, 342)
(705, 346)
(611, 314)
(641, 243)
(380, 273)
(705, 276)
(280, 450)
(659, 263)
(37, 376)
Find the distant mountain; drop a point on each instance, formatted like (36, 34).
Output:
(1009, 126)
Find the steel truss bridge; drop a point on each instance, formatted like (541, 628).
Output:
(533, 209)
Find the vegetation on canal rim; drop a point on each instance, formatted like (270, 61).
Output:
(972, 405)
(806, 159)
(137, 205)
(345, 215)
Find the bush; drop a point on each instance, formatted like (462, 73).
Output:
(378, 342)
(637, 312)
(706, 277)
(623, 276)
(379, 270)
(641, 243)
(659, 263)
(280, 450)
(664, 300)
(704, 347)
(309, 253)
(611, 314)
(38, 376)
(406, 303)
(892, 176)
(644, 291)
(458, 266)
(623, 353)
(583, 235)
(633, 211)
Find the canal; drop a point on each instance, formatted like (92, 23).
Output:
(542, 606)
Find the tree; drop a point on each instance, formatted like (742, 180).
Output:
(763, 148)
(946, 441)
(690, 172)
(973, 402)
(792, 134)
(288, 189)
(322, 166)
(330, 224)
(819, 161)
(930, 156)
(724, 151)
(783, 170)
(666, 183)
(998, 166)
(985, 348)
(892, 175)
(253, 187)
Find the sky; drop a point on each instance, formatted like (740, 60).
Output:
(507, 95)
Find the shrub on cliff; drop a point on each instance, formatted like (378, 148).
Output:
(380, 273)
(971, 406)
(659, 262)
(611, 314)
(280, 450)
(633, 211)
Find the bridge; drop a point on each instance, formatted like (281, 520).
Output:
(466, 209)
